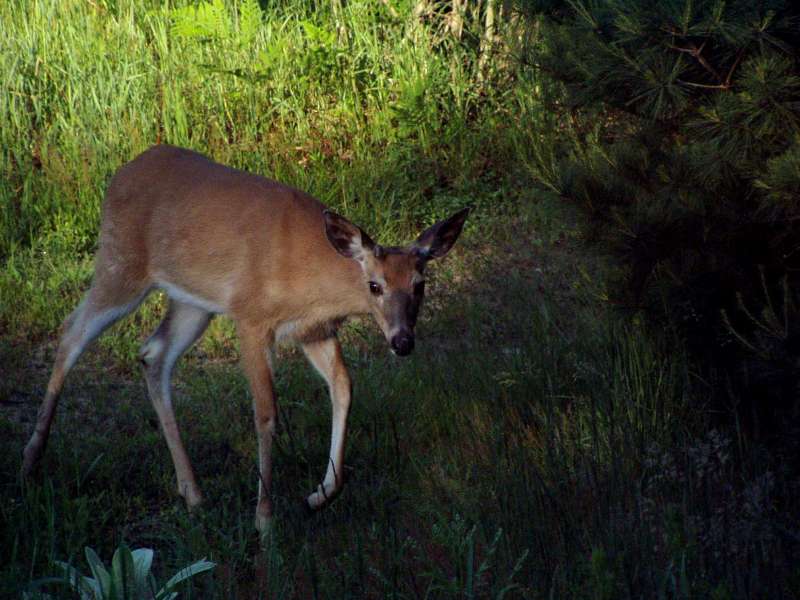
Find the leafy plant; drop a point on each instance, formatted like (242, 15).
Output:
(206, 20)
(319, 57)
(213, 21)
(129, 578)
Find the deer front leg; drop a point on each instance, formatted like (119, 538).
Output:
(326, 356)
(256, 363)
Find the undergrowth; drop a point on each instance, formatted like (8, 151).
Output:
(384, 119)
(536, 445)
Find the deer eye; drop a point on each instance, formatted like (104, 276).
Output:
(375, 289)
(419, 288)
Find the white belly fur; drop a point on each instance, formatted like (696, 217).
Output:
(181, 295)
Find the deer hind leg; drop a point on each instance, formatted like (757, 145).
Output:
(326, 356)
(102, 306)
(181, 327)
(256, 363)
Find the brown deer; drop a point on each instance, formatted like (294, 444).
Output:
(221, 241)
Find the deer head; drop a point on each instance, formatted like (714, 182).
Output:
(394, 276)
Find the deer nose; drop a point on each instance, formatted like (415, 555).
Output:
(403, 343)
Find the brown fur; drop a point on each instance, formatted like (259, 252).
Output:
(237, 231)
(219, 240)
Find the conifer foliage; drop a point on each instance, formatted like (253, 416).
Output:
(684, 147)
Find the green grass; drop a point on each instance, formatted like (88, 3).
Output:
(434, 467)
(535, 445)
(385, 122)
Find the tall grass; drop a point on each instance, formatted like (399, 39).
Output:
(534, 446)
(548, 451)
(384, 119)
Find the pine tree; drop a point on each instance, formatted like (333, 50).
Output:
(686, 154)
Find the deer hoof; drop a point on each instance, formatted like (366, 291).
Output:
(321, 497)
(31, 456)
(263, 523)
(263, 514)
(191, 495)
(315, 501)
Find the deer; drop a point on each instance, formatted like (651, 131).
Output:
(220, 241)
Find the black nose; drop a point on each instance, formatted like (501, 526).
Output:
(403, 344)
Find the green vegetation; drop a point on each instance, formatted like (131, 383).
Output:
(385, 120)
(128, 578)
(537, 444)
(683, 146)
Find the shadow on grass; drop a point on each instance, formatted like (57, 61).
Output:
(533, 445)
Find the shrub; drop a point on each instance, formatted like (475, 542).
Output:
(681, 139)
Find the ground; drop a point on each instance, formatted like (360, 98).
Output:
(107, 476)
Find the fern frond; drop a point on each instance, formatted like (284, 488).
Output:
(249, 21)
(206, 20)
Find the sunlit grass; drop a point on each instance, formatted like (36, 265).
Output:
(376, 120)
(536, 445)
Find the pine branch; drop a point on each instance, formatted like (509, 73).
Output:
(697, 53)
(733, 67)
(705, 86)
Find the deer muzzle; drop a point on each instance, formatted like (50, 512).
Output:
(402, 343)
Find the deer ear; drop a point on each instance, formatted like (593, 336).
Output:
(347, 239)
(437, 240)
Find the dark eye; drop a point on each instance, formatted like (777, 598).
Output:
(419, 288)
(375, 289)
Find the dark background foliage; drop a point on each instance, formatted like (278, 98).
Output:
(683, 147)
(611, 420)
